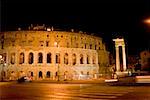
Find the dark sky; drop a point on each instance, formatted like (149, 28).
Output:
(105, 19)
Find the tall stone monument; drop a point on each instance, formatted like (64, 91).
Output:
(120, 43)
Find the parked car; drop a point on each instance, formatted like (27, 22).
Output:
(25, 79)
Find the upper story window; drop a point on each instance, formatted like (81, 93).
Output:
(94, 60)
(49, 59)
(40, 58)
(95, 47)
(57, 58)
(81, 59)
(99, 48)
(90, 46)
(31, 57)
(88, 60)
(47, 43)
(66, 58)
(21, 58)
(12, 58)
(85, 46)
(74, 59)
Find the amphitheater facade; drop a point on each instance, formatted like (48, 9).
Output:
(49, 54)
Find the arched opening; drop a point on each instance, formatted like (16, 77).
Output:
(40, 74)
(30, 60)
(81, 59)
(48, 74)
(49, 60)
(40, 58)
(57, 58)
(30, 73)
(66, 59)
(21, 58)
(88, 61)
(74, 59)
(12, 58)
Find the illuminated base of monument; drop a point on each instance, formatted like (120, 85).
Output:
(122, 74)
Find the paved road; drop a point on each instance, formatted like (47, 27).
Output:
(46, 91)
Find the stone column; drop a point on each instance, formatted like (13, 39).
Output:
(78, 59)
(117, 59)
(35, 57)
(44, 58)
(124, 58)
(84, 58)
(26, 56)
(53, 58)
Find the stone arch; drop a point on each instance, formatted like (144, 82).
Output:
(74, 59)
(21, 58)
(49, 57)
(88, 59)
(40, 57)
(48, 74)
(12, 58)
(58, 58)
(31, 57)
(66, 58)
(31, 73)
(40, 74)
(81, 58)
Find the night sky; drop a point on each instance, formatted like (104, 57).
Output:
(106, 19)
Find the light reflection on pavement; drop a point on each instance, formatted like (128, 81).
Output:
(46, 91)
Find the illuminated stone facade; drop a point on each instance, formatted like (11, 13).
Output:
(42, 54)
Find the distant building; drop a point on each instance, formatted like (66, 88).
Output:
(145, 59)
(132, 60)
(41, 53)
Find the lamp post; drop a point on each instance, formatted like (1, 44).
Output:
(57, 45)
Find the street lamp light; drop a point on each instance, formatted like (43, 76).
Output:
(147, 21)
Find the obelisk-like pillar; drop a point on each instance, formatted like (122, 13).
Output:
(124, 58)
(117, 58)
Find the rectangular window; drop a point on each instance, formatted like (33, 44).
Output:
(47, 43)
(90, 46)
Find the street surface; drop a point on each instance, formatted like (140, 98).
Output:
(54, 91)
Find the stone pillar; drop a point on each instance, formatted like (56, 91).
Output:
(26, 56)
(124, 58)
(84, 58)
(35, 57)
(78, 59)
(53, 58)
(117, 59)
(44, 58)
